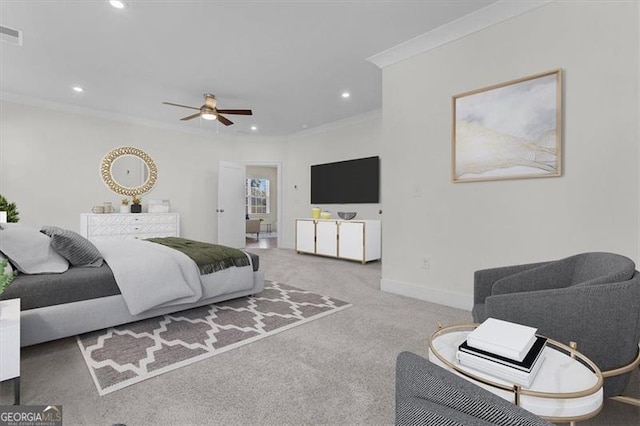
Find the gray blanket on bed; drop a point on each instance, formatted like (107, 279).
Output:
(75, 285)
(151, 275)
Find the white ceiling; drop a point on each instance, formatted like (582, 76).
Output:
(289, 61)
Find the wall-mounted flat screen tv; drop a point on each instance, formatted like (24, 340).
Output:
(346, 182)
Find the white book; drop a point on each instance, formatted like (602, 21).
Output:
(500, 371)
(503, 338)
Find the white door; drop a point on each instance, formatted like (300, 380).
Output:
(305, 236)
(327, 238)
(351, 241)
(231, 204)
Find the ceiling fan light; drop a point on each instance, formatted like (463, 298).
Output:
(208, 116)
(118, 4)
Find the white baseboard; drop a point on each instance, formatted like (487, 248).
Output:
(434, 295)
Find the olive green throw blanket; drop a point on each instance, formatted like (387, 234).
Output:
(209, 257)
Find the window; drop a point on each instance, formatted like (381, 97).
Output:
(257, 196)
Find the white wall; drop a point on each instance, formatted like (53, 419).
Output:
(468, 226)
(270, 173)
(354, 138)
(50, 163)
(50, 166)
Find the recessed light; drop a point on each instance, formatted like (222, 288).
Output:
(254, 128)
(118, 4)
(346, 94)
(78, 89)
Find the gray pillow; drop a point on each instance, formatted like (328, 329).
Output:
(30, 251)
(74, 247)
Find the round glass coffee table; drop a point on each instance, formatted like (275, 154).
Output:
(567, 388)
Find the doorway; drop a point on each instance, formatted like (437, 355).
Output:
(263, 204)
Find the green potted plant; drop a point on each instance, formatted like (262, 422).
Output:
(10, 208)
(5, 277)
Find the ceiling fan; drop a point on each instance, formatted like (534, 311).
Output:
(208, 111)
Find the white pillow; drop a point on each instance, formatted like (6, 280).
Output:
(30, 251)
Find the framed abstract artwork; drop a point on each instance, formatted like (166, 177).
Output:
(511, 130)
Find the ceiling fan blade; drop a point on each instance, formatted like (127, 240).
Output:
(235, 111)
(224, 120)
(178, 105)
(191, 117)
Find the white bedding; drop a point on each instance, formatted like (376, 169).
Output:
(227, 281)
(151, 275)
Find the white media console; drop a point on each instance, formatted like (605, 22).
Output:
(345, 239)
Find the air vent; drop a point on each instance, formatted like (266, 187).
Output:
(10, 35)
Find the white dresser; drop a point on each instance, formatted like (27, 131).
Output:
(120, 226)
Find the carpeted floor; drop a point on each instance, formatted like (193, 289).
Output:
(338, 370)
(127, 354)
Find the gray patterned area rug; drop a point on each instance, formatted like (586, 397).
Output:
(120, 356)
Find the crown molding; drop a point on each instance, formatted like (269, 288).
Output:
(239, 135)
(375, 114)
(106, 115)
(486, 17)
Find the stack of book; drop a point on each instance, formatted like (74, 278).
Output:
(504, 350)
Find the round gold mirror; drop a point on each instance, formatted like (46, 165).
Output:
(128, 171)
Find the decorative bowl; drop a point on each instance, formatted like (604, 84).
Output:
(347, 215)
(325, 215)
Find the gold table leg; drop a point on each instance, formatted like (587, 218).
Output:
(627, 400)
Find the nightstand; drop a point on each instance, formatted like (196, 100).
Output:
(10, 344)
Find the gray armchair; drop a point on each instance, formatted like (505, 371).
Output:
(429, 395)
(592, 299)
(253, 227)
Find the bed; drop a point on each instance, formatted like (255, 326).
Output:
(131, 280)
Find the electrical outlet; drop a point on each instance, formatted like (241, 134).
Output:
(426, 262)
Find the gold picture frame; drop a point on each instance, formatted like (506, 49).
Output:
(510, 130)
